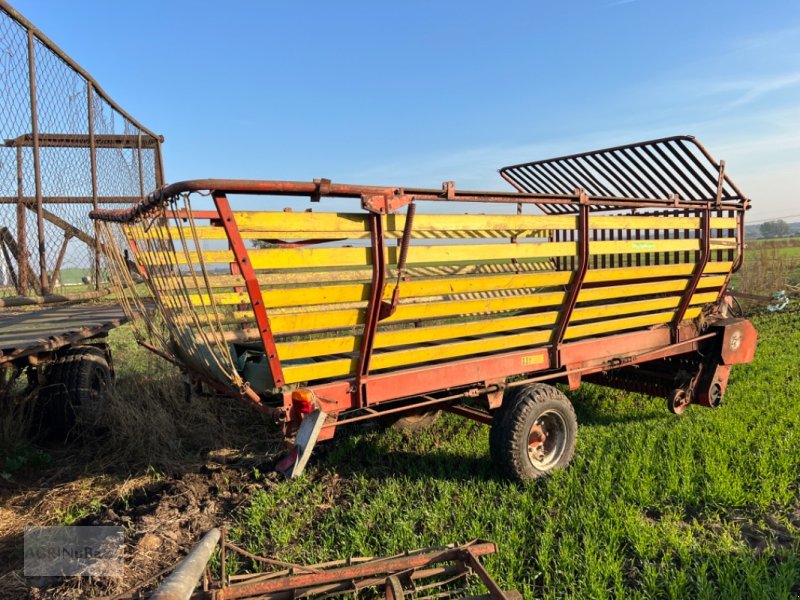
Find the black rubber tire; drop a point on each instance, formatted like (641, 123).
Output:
(411, 422)
(512, 426)
(77, 383)
(678, 401)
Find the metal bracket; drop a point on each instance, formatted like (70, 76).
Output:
(323, 189)
(390, 201)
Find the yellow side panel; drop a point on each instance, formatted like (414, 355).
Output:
(345, 366)
(309, 296)
(403, 337)
(313, 226)
(578, 331)
(610, 310)
(310, 258)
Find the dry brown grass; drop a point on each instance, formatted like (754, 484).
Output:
(136, 466)
(769, 266)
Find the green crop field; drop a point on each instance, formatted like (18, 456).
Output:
(654, 506)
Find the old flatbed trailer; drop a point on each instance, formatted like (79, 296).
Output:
(327, 318)
(61, 357)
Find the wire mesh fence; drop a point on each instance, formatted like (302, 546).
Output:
(65, 148)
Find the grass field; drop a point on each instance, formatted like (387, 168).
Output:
(654, 506)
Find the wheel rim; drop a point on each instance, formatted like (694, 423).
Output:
(547, 440)
(678, 401)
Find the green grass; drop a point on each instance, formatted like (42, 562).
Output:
(654, 506)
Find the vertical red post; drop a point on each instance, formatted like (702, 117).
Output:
(251, 284)
(373, 308)
(577, 281)
(699, 269)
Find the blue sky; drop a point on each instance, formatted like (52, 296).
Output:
(415, 93)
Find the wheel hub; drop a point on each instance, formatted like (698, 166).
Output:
(546, 440)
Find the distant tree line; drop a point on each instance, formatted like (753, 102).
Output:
(775, 229)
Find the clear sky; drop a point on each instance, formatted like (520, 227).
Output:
(415, 93)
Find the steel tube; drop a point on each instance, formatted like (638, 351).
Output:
(93, 165)
(181, 583)
(22, 238)
(37, 169)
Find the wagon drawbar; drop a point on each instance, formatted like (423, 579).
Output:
(320, 319)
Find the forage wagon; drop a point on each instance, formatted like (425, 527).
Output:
(609, 266)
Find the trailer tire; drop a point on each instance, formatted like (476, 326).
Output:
(533, 433)
(413, 421)
(77, 383)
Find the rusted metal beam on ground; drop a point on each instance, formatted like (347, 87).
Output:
(354, 572)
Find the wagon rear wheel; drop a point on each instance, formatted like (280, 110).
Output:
(413, 421)
(77, 384)
(678, 400)
(533, 433)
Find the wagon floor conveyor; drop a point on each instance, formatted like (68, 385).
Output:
(43, 330)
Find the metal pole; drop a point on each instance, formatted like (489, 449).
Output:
(37, 170)
(22, 237)
(141, 172)
(93, 160)
(185, 577)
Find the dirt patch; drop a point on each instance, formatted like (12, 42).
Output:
(163, 518)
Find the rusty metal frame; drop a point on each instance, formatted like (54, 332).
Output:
(700, 267)
(577, 282)
(251, 283)
(658, 169)
(37, 168)
(373, 306)
(35, 42)
(342, 577)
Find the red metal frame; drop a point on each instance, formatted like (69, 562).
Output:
(251, 283)
(577, 281)
(699, 269)
(373, 307)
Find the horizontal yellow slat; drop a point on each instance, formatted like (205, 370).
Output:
(386, 339)
(494, 272)
(324, 295)
(414, 335)
(306, 321)
(309, 258)
(614, 325)
(344, 366)
(311, 224)
(281, 225)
